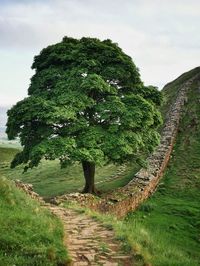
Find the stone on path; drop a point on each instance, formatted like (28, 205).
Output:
(89, 242)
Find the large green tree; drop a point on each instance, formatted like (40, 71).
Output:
(86, 103)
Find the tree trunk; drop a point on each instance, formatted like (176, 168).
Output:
(89, 173)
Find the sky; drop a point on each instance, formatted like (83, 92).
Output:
(162, 36)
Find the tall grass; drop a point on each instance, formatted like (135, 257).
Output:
(29, 234)
(165, 230)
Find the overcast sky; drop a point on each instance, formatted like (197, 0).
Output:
(162, 36)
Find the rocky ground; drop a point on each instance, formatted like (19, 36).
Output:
(89, 242)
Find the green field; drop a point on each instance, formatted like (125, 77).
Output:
(171, 217)
(50, 180)
(165, 230)
(29, 234)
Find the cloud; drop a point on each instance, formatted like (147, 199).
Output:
(33, 23)
(161, 36)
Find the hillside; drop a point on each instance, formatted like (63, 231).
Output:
(169, 220)
(164, 231)
(29, 234)
(50, 180)
(170, 90)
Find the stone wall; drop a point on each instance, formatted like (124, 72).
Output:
(28, 189)
(145, 181)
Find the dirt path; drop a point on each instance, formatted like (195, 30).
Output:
(89, 242)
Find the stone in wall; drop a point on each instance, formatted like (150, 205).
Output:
(145, 181)
(28, 189)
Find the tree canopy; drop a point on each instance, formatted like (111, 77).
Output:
(86, 103)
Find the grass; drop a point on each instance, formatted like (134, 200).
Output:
(170, 90)
(29, 234)
(170, 219)
(167, 226)
(9, 144)
(165, 230)
(50, 180)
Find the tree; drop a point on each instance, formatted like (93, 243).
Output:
(86, 103)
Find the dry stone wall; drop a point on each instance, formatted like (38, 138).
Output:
(28, 189)
(145, 181)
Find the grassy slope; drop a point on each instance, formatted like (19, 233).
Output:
(170, 219)
(29, 234)
(49, 180)
(170, 90)
(165, 230)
